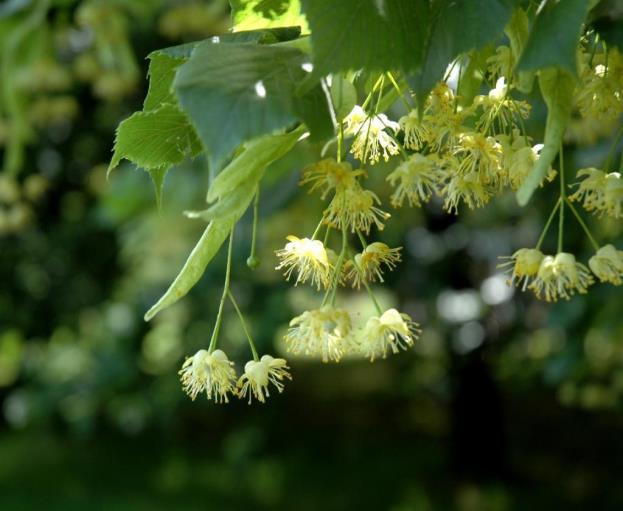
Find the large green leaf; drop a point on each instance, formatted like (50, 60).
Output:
(554, 37)
(557, 88)
(155, 140)
(456, 27)
(353, 34)
(236, 92)
(233, 190)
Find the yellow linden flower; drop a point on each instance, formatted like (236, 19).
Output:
(607, 264)
(467, 188)
(367, 266)
(521, 163)
(392, 331)
(600, 192)
(308, 258)
(327, 175)
(560, 277)
(481, 156)
(441, 119)
(209, 372)
(523, 266)
(416, 132)
(613, 196)
(415, 180)
(258, 374)
(354, 208)
(323, 332)
(371, 140)
(499, 108)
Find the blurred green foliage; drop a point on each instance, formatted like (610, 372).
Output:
(505, 404)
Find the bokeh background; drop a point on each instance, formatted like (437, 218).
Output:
(506, 403)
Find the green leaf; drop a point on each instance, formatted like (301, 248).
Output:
(236, 92)
(379, 35)
(253, 14)
(457, 26)
(205, 250)
(557, 88)
(343, 96)
(155, 139)
(518, 30)
(255, 157)
(162, 68)
(554, 37)
(157, 176)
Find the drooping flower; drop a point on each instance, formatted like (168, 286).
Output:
(368, 266)
(443, 120)
(521, 163)
(607, 264)
(481, 156)
(328, 175)
(415, 180)
(415, 131)
(209, 372)
(258, 374)
(560, 277)
(371, 138)
(323, 332)
(523, 266)
(390, 332)
(308, 259)
(467, 188)
(500, 108)
(600, 192)
(355, 209)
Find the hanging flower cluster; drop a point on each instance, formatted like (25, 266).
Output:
(464, 151)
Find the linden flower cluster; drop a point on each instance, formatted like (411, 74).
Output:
(329, 331)
(465, 155)
(561, 276)
(214, 374)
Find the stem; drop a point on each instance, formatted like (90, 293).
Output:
(458, 85)
(256, 203)
(244, 325)
(366, 285)
(400, 93)
(332, 291)
(317, 230)
(374, 87)
(378, 101)
(583, 224)
(547, 224)
(340, 141)
(219, 316)
(612, 150)
(362, 239)
(326, 235)
(561, 213)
